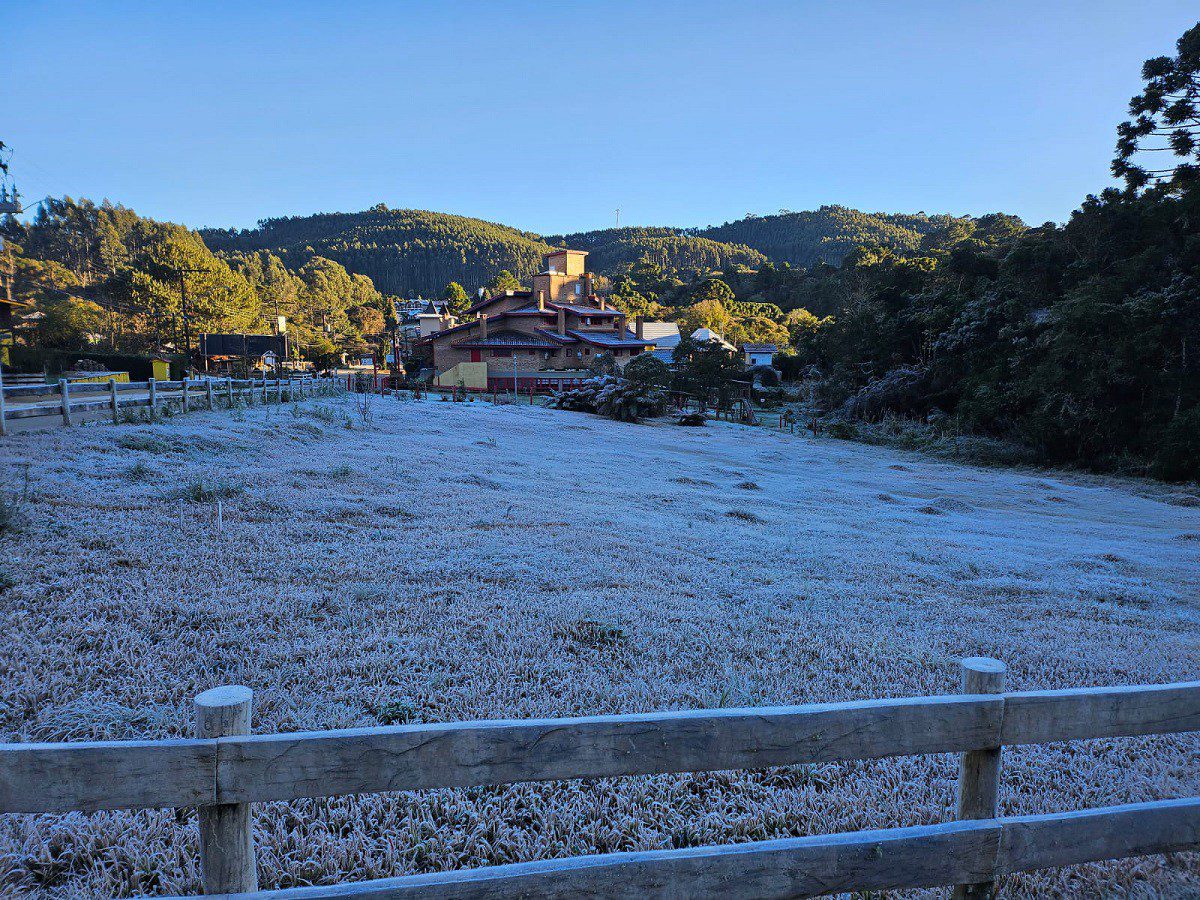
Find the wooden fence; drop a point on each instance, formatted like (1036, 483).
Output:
(225, 769)
(68, 399)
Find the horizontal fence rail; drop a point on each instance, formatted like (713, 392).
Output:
(174, 773)
(887, 859)
(231, 772)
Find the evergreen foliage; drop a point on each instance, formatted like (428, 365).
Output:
(405, 252)
(103, 276)
(410, 252)
(829, 234)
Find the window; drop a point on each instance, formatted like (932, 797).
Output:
(587, 351)
(578, 289)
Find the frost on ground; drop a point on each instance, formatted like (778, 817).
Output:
(466, 561)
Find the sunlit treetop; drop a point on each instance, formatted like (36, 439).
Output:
(1165, 119)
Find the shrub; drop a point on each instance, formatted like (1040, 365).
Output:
(844, 431)
(147, 443)
(1178, 456)
(364, 406)
(592, 633)
(765, 376)
(904, 390)
(200, 491)
(330, 415)
(393, 712)
(603, 364)
(616, 398)
(13, 502)
(139, 471)
(648, 371)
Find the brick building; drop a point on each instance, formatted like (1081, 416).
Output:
(544, 337)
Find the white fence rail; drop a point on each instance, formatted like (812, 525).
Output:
(68, 399)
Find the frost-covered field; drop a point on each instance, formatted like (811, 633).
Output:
(465, 561)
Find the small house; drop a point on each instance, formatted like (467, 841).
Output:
(759, 354)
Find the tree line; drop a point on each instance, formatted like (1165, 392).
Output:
(100, 276)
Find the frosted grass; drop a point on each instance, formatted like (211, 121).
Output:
(465, 561)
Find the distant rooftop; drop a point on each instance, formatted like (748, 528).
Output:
(664, 334)
(506, 339)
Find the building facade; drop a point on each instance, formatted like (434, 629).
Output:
(557, 328)
(759, 354)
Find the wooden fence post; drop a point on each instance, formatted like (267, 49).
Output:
(264, 388)
(65, 389)
(150, 383)
(226, 831)
(3, 422)
(184, 382)
(979, 770)
(208, 392)
(112, 401)
(229, 391)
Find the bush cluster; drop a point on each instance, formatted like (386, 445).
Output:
(614, 397)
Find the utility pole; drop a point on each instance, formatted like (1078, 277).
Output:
(396, 356)
(182, 272)
(618, 217)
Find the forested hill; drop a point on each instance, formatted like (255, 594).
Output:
(403, 251)
(408, 251)
(830, 233)
(671, 249)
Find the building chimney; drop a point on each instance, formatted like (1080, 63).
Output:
(483, 326)
(562, 321)
(541, 301)
(587, 284)
(603, 304)
(639, 327)
(619, 325)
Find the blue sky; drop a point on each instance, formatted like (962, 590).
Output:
(550, 116)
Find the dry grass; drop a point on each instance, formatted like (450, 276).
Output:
(506, 562)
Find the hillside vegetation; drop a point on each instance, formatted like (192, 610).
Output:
(406, 251)
(403, 251)
(102, 277)
(829, 234)
(613, 249)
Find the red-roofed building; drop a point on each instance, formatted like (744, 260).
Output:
(547, 335)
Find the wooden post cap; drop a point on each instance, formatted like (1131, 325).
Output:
(223, 711)
(984, 664)
(981, 675)
(226, 695)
